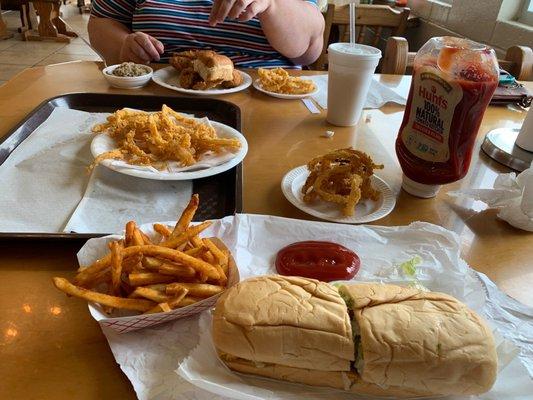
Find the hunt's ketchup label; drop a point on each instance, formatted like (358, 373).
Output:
(453, 82)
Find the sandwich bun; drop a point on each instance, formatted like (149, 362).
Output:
(370, 339)
(213, 67)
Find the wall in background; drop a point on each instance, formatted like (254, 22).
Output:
(487, 21)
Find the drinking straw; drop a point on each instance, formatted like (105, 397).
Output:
(352, 23)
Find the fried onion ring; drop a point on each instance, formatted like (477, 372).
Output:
(341, 176)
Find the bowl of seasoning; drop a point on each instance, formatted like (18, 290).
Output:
(128, 75)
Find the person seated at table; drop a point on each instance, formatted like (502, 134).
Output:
(253, 33)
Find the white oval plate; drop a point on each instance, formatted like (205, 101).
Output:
(365, 210)
(103, 142)
(168, 77)
(258, 86)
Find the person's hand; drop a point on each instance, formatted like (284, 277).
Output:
(141, 48)
(240, 10)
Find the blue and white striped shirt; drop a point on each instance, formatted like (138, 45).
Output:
(183, 25)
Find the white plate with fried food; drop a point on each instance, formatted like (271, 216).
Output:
(170, 78)
(278, 83)
(146, 277)
(166, 145)
(340, 186)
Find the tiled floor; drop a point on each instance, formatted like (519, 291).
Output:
(17, 55)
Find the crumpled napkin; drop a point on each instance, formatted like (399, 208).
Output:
(512, 194)
(378, 94)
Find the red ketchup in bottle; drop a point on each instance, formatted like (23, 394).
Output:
(324, 261)
(453, 82)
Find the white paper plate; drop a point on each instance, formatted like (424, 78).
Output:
(168, 77)
(365, 211)
(103, 142)
(258, 86)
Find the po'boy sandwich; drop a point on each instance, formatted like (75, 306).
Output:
(373, 339)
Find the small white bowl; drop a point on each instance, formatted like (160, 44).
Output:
(126, 82)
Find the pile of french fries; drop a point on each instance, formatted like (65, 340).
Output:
(137, 274)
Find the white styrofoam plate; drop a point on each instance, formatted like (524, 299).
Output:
(257, 85)
(365, 211)
(168, 77)
(211, 165)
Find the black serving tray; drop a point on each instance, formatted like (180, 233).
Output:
(220, 195)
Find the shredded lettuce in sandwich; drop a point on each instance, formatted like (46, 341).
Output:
(356, 333)
(347, 300)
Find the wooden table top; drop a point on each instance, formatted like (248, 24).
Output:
(53, 349)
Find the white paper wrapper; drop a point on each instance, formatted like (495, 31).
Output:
(45, 177)
(148, 356)
(512, 194)
(48, 188)
(112, 198)
(378, 94)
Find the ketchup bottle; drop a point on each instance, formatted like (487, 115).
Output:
(453, 82)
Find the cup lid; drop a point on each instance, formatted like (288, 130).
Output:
(417, 189)
(355, 50)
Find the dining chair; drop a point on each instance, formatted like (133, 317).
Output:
(4, 33)
(371, 24)
(398, 60)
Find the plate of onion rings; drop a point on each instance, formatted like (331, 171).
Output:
(340, 186)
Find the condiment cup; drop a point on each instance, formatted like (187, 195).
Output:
(126, 82)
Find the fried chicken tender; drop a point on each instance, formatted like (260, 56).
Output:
(236, 81)
(189, 78)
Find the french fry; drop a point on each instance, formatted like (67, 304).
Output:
(151, 263)
(128, 233)
(209, 258)
(116, 266)
(148, 278)
(99, 277)
(186, 217)
(161, 307)
(103, 299)
(175, 256)
(179, 295)
(163, 230)
(150, 294)
(185, 236)
(138, 268)
(160, 287)
(225, 267)
(131, 263)
(220, 257)
(179, 271)
(196, 241)
(99, 265)
(187, 301)
(202, 277)
(201, 290)
(146, 239)
(137, 239)
(223, 278)
(196, 251)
